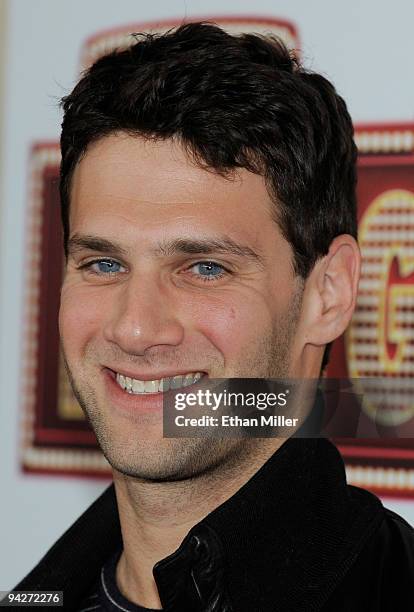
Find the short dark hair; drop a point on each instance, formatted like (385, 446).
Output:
(233, 102)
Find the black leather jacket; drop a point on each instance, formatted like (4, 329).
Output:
(294, 538)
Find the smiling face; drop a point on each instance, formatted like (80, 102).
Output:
(172, 271)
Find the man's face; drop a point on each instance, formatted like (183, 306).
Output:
(172, 271)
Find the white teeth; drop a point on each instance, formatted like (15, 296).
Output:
(138, 386)
(176, 382)
(164, 384)
(151, 386)
(135, 386)
(188, 380)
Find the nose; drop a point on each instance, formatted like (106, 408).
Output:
(142, 316)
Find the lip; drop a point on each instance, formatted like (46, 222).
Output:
(134, 406)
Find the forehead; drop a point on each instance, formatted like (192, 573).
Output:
(124, 179)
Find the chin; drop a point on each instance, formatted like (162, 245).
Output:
(159, 461)
(169, 460)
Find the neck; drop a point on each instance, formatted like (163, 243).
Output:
(156, 516)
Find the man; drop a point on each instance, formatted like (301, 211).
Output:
(208, 206)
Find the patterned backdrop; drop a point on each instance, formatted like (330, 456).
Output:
(378, 344)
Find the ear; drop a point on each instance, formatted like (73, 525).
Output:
(331, 291)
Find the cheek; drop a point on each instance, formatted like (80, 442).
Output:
(233, 325)
(80, 317)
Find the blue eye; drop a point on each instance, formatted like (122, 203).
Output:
(107, 265)
(104, 266)
(208, 269)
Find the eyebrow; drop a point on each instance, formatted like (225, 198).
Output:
(169, 248)
(206, 246)
(79, 242)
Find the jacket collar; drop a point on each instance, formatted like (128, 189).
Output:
(286, 538)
